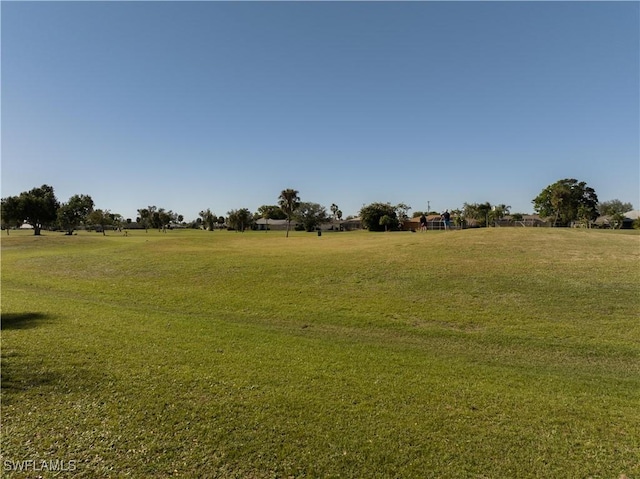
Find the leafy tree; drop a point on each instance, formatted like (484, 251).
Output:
(470, 210)
(197, 224)
(370, 215)
(11, 212)
(586, 216)
(477, 211)
(209, 219)
(116, 220)
(498, 212)
(154, 217)
(240, 219)
(387, 221)
(617, 220)
(458, 217)
(157, 218)
(566, 201)
(101, 218)
(165, 218)
(402, 212)
(289, 202)
(75, 212)
(145, 216)
(311, 215)
(39, 207)
(610, 208)
(339, 214)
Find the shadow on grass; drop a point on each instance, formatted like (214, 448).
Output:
(22, 320)
(17, 376)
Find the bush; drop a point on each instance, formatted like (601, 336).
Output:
(371, 215)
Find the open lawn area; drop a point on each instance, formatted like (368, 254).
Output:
(490, 353)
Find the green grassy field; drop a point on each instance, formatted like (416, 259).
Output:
(492, 353)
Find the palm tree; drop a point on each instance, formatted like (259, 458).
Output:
(289, 202)
(499, 211)
(334, 210)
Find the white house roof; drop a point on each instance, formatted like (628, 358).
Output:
(262, 221)
(633, 214)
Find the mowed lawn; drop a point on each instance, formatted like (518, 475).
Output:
(491, 353)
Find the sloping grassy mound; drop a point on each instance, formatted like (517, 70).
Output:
(479, 353)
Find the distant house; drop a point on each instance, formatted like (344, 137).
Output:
(264, 224)
(527, 220)
(351, 224)
(331, 225)
(411, 224)
(607, 221)
(134, 225)
(629, 218)
(434, 222)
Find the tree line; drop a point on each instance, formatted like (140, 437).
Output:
(40, 208)
(564, 202)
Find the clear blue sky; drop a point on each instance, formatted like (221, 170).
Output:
(198, 105)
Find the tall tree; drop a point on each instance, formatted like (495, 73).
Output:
(75, 212)
(458, 217)
(566, 201)
(498, 212)
(402, 212)
(240, 219)
(11, 212)
(334, 211)
(209, 219)
(311, 215)
(145, 216)
(101, 218)
(39, 207)
(289, 202)
(164, 218)
(610, 208)
(478, 211)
